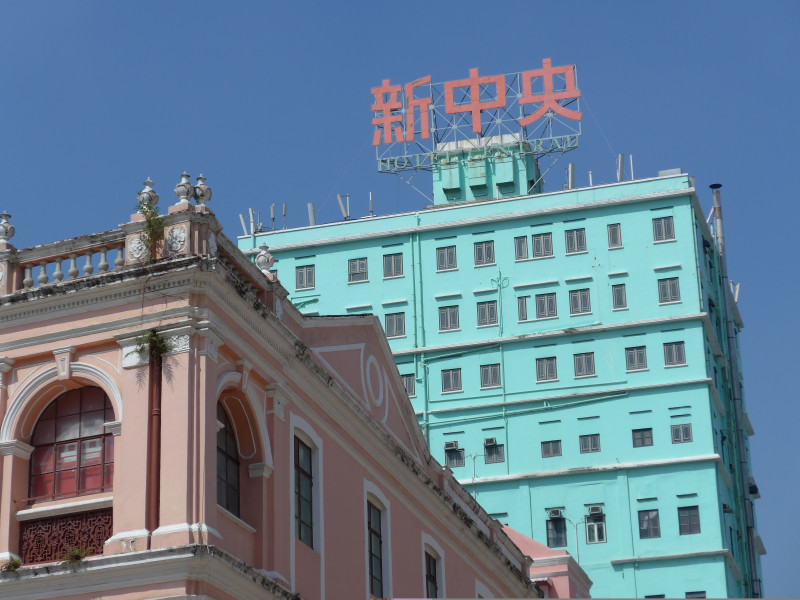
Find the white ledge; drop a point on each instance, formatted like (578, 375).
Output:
(54, 510)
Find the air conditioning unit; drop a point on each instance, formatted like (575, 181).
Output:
(490, 442)
(451, 445)
(555, 513)
(595, 510)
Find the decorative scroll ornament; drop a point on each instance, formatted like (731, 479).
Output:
(6, 229)
(202, 193)
(264, 260)
(136, 247)
(184, 190)
(176, 238)
(178, 344)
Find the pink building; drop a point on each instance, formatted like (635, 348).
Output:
(183, 425)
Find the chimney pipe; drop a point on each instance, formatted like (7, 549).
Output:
(311, 219)
(570, 176)
(620, 167)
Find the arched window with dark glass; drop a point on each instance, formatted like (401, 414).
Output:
(73, 455)
(227, 464)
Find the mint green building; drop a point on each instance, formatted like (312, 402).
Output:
(572, 356)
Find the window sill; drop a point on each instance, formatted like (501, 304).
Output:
(359, 281)
(492, 387)
(637, 370)
(488, 325)
(491, 264)
(670, 302)
(446, 270)
(452, 392)
(396, 337)
(547, 381)
(580, 314)
(65, 508)
(385, 277)
(664, 241)
(303, 289)
(236, 519)
(578, 252)
(676, 366)
(619, 309)
(585, 376)
(543, 257)
(545, 318)
(615, 247)
(449, 330)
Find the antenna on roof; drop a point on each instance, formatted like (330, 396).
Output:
(284, 215)
(244, 227)
(620, 167)
(341, 206)
(371, 212)
(252, 219)
(311, 219)
(272, 214)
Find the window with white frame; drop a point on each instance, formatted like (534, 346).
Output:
(487, 313)
(448, 318)
(451, 380)
(304, 277)
(484, 253)
(668, 290)
(409, 382)
(689, 520)
(556, 532)
(576, 240)
(522, 308)
(357, 270)
(635, 358)
(392, 265)
(303, 491)
(595, 529)
(490, 376)
(375, 549)
(682, 433)
(642, 437)
(649, 526)
(453, 455)
(542, 245)
(546, 306)
(395, 324)
(551, 448)
(546, 369)
(434, 582)
(579, 302)
(674, 354)
(663, 229)
(584, 364)
(446, 258)
(614, 236)
(590, 443)
(618, 296)
(493, 452)
(521, 248)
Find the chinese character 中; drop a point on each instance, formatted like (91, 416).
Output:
(475, 105)
(549, 98)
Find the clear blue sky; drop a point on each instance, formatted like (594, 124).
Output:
(270, 100)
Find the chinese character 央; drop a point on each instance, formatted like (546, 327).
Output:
(549, 98)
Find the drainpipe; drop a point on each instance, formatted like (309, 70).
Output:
(738, 411)
(153, 489)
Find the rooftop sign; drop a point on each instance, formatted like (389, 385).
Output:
(414, 121)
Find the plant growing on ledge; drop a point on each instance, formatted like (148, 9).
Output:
(11, 566)
(152, 342)
(154, 224)
(74, 555)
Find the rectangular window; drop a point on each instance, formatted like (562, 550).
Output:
(303, 484)
(642, 437)
(584, 364)
(618, 296)
(635, 358)
(375, 533)
(395, 324)
(668, 290)
(451, 380)
(649, 527)
(542, 245)
(448, 318)
(681, 433)
(663, 229)
(545, 306)
(674, 354)
(446, 258)
(409, 382)
(453, 455)
(487, 313)
(590, 443)
(431, 583)
(493, 452)
(556, 533)
(546, 369)
(484, 253)
(521, 248)
(576, 240)
(551, 448)
(522, 308)
(304, 277)
(392, 265)
(596, 529)
(614, 236)
(579, 302)
(490, 376)
(689, 520)
(357, 270)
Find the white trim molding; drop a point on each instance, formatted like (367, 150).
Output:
(69, 508)
(17, 448)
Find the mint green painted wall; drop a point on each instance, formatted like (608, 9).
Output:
(522, 412)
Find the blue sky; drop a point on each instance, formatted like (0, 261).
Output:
(270, 101)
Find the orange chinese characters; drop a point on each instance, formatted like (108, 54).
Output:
(475, 105)
(390, 108)
(549, 98)
(422, 104)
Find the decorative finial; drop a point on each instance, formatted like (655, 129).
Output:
(6, 229)
(148, 194)
(265, 260)
(184, 190)
(202, 193)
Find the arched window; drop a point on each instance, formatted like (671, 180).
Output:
(73, 455)
(227, 464)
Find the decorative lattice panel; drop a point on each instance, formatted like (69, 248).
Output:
(46, 540)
